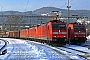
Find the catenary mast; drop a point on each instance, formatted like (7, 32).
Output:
(68, 16)
(68, 12)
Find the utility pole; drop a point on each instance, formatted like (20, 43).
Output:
(68, 20)
(68, 12)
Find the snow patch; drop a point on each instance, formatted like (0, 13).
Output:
(88, 37)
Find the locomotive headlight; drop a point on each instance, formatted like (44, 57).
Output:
(75, 36)
(54, 36)
(64, 36)
(83, 36)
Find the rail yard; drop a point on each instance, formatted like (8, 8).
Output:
(51, 32)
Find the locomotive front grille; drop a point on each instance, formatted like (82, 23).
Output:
(78, 40)
(59, 40)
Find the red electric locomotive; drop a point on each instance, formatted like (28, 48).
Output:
(57, 32)
(77, 33)
(53, 32)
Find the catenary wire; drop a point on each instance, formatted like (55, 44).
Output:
(65, 4)
(53, 2)
(2, 7)
(26, 5)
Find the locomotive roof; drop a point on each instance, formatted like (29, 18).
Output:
(76, 23)
(56, 21)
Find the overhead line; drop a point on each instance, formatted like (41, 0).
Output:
(53, 2)
(26, 5)
(2, 7)
(65, 4)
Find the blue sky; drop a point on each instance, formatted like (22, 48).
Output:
(21, 5)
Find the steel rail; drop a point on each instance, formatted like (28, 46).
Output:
(86, 54)
(3, 50)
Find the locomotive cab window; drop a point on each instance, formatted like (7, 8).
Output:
(79, 27)
(58, 26)
(82, 28)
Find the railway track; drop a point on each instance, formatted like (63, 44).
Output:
(80, 53)
(3, 49)
(54, 49)
(59, 51)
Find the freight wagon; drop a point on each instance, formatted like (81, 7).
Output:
(13, 34)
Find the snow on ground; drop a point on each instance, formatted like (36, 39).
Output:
(88, 37)
(29, 50)
(2, 43)
(72, 56)
(85, 49)
(25, 50)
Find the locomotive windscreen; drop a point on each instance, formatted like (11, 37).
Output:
(58, 26)
(79, 27)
